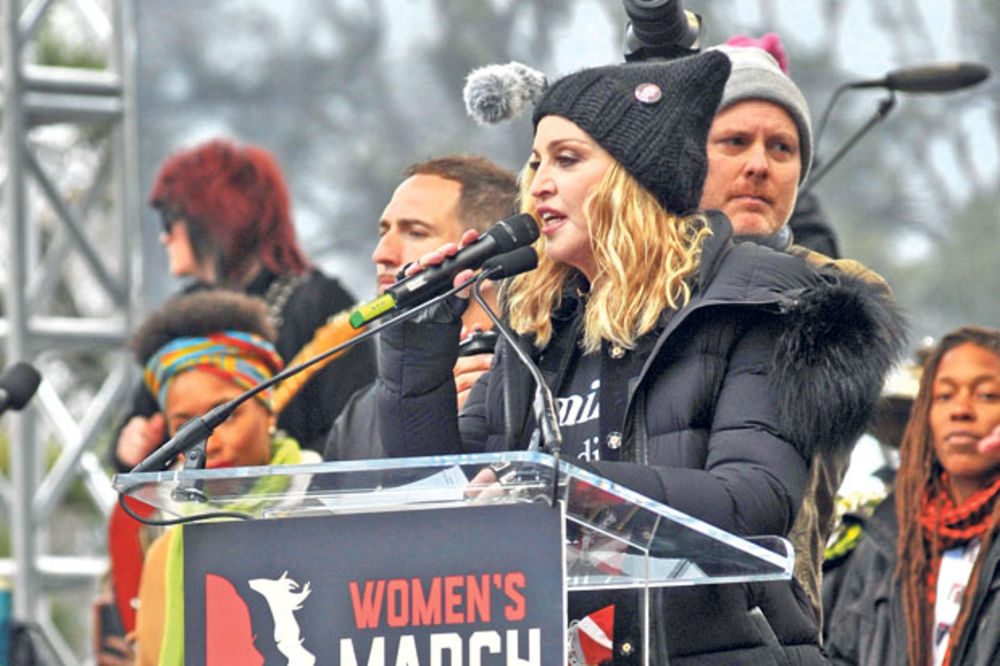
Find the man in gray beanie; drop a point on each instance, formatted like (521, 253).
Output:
(759, 153)
(759, 146)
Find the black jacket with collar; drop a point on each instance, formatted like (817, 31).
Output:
(867, 625)
(769, 359)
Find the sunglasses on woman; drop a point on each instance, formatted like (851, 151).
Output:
(168, 219)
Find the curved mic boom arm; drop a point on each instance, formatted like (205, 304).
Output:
(884, 107)
(545, 406)
(935, 78)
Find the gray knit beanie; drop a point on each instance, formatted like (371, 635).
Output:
(757, 75)
(653, 117)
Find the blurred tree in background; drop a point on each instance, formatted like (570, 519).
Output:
(349, 93)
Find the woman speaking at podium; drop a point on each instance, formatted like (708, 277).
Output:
(708, 372)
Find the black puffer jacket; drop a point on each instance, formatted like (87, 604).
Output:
(867, 625)
(769, 359)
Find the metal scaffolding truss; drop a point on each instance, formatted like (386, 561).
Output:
(68, 173)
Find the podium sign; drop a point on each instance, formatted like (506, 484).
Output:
(398, 527)
(429, 586)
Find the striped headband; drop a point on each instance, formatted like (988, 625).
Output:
(243, 358)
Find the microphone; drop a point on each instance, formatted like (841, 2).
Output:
(509, 264)
(499, 267)
(192, 433)
(18, 384)
(508, 234)
(938, 78)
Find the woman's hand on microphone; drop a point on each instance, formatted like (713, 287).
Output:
(437, 256)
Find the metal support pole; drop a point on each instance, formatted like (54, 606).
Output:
(23, 454)
(79, 226)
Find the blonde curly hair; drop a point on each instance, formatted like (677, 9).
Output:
(645, 257)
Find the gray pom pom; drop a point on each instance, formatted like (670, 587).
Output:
(499, 92)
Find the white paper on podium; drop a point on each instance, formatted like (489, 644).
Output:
(448, 485)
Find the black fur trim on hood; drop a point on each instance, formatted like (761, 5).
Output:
(831, 362)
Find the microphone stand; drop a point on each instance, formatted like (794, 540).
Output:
(190, 490)
(544, 404)
(938, 78)
(885, 106)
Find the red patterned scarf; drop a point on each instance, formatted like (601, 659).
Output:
(946, 525)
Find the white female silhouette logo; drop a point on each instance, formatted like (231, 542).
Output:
(283, 601)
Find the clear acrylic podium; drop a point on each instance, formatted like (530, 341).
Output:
(614, 538)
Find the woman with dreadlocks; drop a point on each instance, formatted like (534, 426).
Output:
(921, 588)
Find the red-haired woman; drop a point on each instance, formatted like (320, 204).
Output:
(227, 222)
(921, 588)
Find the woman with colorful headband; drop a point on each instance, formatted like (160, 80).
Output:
(922, 586)
(708, 371)
(200, 351)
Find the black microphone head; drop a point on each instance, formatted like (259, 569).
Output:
(513, 232)
(937, 78)
(19, 382)
(509, 264)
